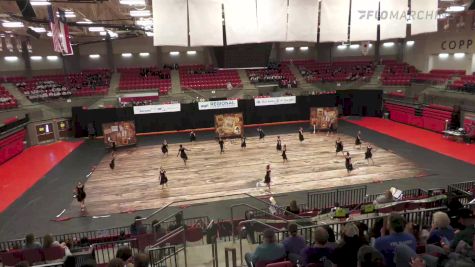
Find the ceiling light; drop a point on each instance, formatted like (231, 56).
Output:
(140, 13)
(112, 34)
(354, 46)
(12, 24)
(36, 58)
(342, 46)
(443, 15)
(289, 49)
(126, 54)
(144, 54)
(38, 29)
(52, 58)
(40, 3)
(455, 9)
(410, 43)
(96, 29)
(94, 56)
(443, 55)
(174, 53)
(67, 14)
(149, 34)
(388, 44)
(103, 33)
(459, 55)
(85, 21)
(304, 48)
(191, 52)
(49, 34)
(144, 22)
(11, 58)
(132, 2)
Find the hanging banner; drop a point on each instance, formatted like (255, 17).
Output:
(157, 108)
(121, 133)
(19, 48)
(229, 125)
(221, 104)
(273, 101)
(28, 46)
(60, 31)
(8, 43)
(323, 118)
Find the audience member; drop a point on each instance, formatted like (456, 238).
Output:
(116, 262)
(320, 252)
(370, 257)
(268, 251)
(467, 219)
(125, 254)
(141, 260)
(294, 243)
(440, 229)
(387, 197)
(30, 242)
(345, 253)
(293, 207)
(387, 244)
(22, 264)
(137, 228)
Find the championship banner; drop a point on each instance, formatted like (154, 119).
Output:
(121, 133)
(60, 31)
(273, 101)
(229, 125)
(322, 118)
(19, 48)
(8, 43)
(157, 108)
(221, 104)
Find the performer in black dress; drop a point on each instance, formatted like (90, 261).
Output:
(192, 136)
(284, 154)
(80, 195)
(221, 145)
(348, 164)
(279, 144)
(243, 142)
(267, 179)
(368, 155)
(182, 154)
(165, 147)
(163, 177)
(261, 133)
(339, 146)
(112, 162)
(301, 138)
(358, 139)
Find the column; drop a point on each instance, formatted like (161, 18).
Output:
(25, 54)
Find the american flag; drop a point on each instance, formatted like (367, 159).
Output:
(60, 32)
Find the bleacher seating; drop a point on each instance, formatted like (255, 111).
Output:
(466, 83)
(335, 71)
(395, 73)
(278, 72)
(47, 87)
(151, 78)
(7, 101)
(432, 117)
(12, 145)
(138, 100)
(200, 77)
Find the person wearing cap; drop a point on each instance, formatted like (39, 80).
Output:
(467, 219)
(387, 244)
(293, 244)
(267, 252)
(345, 254)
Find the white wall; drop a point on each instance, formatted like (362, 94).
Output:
(452, 63)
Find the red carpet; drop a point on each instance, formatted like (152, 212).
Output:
(23, 171)
(420, 137)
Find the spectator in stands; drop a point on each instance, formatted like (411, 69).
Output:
(345, 254)
(178, 222)
(387, 197)
(293, 207)
(137, 228)
(440, 229)
(141, 260)
(467, 219)
(48, 241)
(331, 236)
(229, 85)
(293, 244)
(362, 232)
(370, 257)
(268, 251)
(22, 264)
(116, 262)
(387, 244)
(125, 254)
(157, 229)
(453, 207)
(320, 251)
(30, 242)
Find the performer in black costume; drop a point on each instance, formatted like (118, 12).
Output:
(267, 179)
(182, 154)
(112, 162)
(165, 147)
(284, 154)
(80, 195)
(358, 139)
(279, 144)
(368, 155)
(163, 177)
(301, 138)
(348, 164)
(221, 145)
(243, 142)
(339, 146)
(192, 136)
(261, 133)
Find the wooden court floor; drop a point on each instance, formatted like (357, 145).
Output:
(209, 176)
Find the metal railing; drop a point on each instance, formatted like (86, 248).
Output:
(159, 253)
(461, 191)
(326, 199)
(249, 222)
(106, 251)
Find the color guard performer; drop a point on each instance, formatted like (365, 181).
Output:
(182, 154)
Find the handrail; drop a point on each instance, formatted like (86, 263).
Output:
(275, 206)
(166, 218)
(259, 222)
(171, 234)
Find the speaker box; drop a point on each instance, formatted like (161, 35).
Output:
(26, 9)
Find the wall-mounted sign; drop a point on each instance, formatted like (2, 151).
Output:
(157, 108)
(217, 104)
(272, 101)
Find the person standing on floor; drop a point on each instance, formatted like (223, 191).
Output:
(358, 140)
(163, 177)
(221, 145)
(165, 148)
(80, 195)
(301, 138)
(368, 155)
(267, 179)
(182, 154)
(339, 146)
(243, 142)
(284, 154)
(192, 136)
(261, 133)
(279, 144)
(348, 164)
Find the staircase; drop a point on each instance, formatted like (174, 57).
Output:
(374, 82)
(303, 85)
(176, 87)
(248, 89)
(20, 97)
(114, 84)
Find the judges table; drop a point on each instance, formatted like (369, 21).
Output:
(457, 136)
